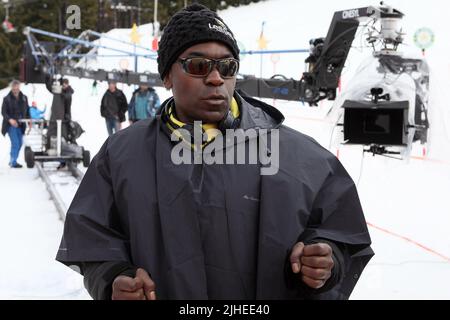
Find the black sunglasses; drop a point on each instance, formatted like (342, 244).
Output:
(201, 67)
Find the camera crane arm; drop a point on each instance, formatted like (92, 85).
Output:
(326, 61)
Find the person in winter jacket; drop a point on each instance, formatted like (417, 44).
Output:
(35, 113)
(61, 110)
(144, 104)
(155, 218)
(14, 108)
(62, 103)
(113, 108)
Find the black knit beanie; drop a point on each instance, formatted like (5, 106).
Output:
(192, 25)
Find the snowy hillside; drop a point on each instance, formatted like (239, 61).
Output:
(405, 202)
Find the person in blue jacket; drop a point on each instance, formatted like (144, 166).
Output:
(14, 108)
(144, 104)
(35, 113)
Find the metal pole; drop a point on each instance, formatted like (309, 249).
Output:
(131, 16)
(60, 19)
(80, 55)
(99, 15)
(59, 203)
(260, 66)
(7, 12)
(135, 60)
(155, 12)
(102, 35)
(74, 40)
(261, 57)
(58, 137)
(274, 51)
(115, 17)
(139, 12)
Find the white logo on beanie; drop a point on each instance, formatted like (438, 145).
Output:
(221, 27)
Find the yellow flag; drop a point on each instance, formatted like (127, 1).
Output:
(262, 43)
(134, 35)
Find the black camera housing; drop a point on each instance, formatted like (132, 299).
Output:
(382, 123)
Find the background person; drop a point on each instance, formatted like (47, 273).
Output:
(144, 104)
(113, 107)
(14, 108)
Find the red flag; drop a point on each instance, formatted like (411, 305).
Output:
(155, 44)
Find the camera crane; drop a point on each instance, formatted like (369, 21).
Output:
(378, 123)
(326, 61)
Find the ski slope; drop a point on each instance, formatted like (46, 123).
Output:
(405, 202)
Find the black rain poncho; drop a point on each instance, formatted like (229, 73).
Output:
(215, 231)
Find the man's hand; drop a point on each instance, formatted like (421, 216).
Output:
(140, 287)
(313, 263)
(13, 123)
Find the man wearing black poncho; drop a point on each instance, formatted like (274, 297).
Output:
(143, 226)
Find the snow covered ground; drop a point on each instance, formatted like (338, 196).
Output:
(405, 202)
(30, 232)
